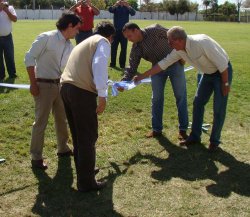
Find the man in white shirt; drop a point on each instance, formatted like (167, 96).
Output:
(208, 56)
(7, 16)
(83, 80)
(45, 62)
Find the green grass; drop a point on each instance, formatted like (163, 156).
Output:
(146, 177)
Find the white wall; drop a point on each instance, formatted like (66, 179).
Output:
(55, 14)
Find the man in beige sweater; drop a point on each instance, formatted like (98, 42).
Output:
(84, 78)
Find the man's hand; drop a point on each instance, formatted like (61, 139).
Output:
(101, 105)
(138, 78)
(34, 89)
(225, 87)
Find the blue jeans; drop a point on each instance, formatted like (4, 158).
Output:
(7, 51)
(177, 78)
(209, 84)
(82, 35)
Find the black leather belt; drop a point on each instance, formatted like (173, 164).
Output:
(44, 80)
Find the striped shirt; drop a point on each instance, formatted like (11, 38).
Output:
(153, 48)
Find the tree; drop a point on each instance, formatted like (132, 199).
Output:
(228, 9)
(206, 3)
(176, 7)
(133, 4)
(100, 4)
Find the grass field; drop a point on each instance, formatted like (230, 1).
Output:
(146, 177)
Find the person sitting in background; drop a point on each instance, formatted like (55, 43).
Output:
(86, 11)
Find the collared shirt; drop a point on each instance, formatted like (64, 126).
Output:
(49, 53)
(87, 15)
(5, 22)
(202, 52)
(121, 15)
(153, 48)
(100, 67)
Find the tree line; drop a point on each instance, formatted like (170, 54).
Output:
(212, 10)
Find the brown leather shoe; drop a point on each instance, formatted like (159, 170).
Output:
(182, 135)
(154, 134)
(65, 154)
(96, 187)
(40, 164)
(213, 148)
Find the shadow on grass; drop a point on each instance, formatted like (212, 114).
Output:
(6, 89)
(196, 163)
(56, 197)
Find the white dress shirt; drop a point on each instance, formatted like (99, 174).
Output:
(49, 53)
(100, 67)
(5, 22)
(202, 52)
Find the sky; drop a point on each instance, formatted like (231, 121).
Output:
(198, 1)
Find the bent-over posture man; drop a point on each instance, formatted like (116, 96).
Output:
(84, 80)
(152, 45)
(208, 56)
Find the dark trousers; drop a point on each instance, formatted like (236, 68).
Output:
(119, 38)
(82, 35)
(80, 107)
(7, 54)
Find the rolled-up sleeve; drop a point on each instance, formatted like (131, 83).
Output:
(100, 68)
(35, 51)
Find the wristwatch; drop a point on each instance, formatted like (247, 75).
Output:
(226, 84)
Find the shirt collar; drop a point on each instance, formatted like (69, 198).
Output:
(188, 43)
(60, 36)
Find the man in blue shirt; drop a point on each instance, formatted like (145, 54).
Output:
(121, 10)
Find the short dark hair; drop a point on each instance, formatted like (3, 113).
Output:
(67, 18)
(130, 26)
(105, 29)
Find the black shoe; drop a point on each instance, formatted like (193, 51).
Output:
(65, 154)
(213, 148)
(112, 65)
(13, 76)
(96, 187)
(182, 135)
(40, 164)
(97, 170)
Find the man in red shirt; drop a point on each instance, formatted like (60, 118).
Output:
(86, 11)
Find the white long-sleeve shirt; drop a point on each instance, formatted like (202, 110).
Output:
(100, 67)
